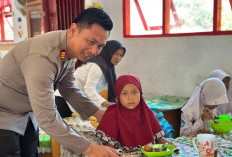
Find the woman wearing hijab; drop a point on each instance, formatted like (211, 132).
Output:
(206, 97)
(98, 73)
(222, 75)
(129, 124)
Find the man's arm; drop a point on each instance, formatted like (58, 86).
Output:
(99, 114)
(39, 74)
(76, 98)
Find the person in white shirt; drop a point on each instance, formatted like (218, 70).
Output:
(225, 77)
(98, 73)
(206, 97)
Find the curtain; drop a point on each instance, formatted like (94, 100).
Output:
(61, 13)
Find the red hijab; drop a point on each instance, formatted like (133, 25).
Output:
(132, 128)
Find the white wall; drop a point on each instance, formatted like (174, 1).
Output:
(3, 53)
(169, 66)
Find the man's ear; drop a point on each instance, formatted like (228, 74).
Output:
(73, 28)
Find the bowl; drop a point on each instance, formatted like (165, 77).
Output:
(224, 126)
(163, 153)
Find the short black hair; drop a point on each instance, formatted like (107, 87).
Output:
(93, 15)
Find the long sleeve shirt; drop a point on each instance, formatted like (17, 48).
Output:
(188, 125)
(29, 73)
(91, 80)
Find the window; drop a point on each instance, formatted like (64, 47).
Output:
(6, 22)
(193, 16)
(226, 15)
(155, 18)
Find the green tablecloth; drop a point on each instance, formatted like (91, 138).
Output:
(166, 102)
(186, 148)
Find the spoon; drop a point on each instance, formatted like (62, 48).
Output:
(177, 151)
(216, 122)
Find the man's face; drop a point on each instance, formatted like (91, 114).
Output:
(86, 43)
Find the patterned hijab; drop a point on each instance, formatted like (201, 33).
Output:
(104, 62)
(129, 129)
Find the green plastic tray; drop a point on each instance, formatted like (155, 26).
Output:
(163, 153)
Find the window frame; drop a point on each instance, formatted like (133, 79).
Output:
(2, 27)
(166, 22)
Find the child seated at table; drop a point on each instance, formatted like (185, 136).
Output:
(206, 97)
(129, 124)
(225, 77)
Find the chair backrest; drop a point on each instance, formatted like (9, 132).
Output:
(104, 93)
(166, 126)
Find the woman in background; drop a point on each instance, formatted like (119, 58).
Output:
(98, 73)
(222, 75)
(206, 97)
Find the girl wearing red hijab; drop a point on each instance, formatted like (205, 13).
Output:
(129, 124)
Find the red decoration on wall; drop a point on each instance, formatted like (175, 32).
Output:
(4, 3)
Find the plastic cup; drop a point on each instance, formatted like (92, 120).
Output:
(206, 144)
(226, 117)
(207, 125)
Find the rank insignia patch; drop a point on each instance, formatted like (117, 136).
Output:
(62, 54)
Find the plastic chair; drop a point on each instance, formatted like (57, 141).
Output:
(168, 129)
(104, 93)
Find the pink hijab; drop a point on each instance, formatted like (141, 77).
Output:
(125, 128)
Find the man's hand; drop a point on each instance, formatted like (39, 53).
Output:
(99, 114)
(101, 151)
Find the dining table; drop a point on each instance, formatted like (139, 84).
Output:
(184, 144)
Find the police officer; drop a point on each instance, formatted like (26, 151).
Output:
(31, 71)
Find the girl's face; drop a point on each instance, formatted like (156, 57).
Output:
(211, 107)
(226, 81)
(130, 96)
(117, 57)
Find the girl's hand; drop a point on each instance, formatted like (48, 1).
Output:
(171, 143)
(207, 114)
(163, 141)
